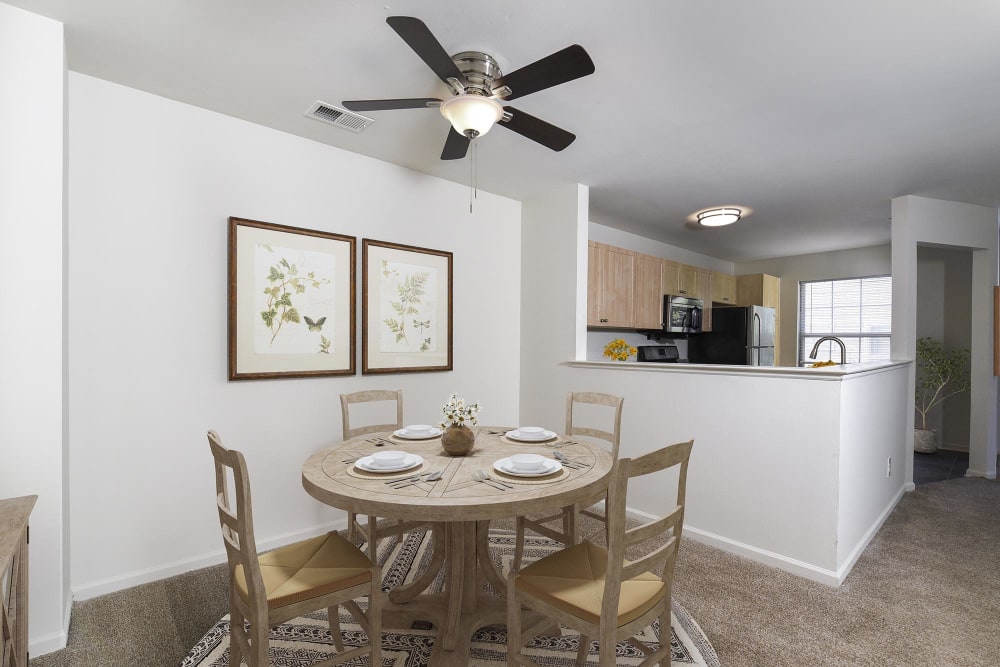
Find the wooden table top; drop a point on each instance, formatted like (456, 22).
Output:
(456, 496)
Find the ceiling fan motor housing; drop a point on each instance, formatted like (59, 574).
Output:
(480, 71)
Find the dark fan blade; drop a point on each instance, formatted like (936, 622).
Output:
(415, 33)
(560, 67)
(538, 130)
(382, 105)
(455, 146)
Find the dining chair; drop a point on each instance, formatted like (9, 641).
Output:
(371, 531)
(568, 515)
(268, 589)
(596, 591)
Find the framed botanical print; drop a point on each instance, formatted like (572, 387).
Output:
(406, 320)
(291, 301)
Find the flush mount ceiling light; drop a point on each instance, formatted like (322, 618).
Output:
(471, 115)
(718, 217)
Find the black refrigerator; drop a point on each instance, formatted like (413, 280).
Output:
(740, 336)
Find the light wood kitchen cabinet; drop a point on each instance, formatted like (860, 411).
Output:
(679, 279)
(610, 289)
(671, 277)
(705, 294)
(648, 313)
(723, 288)
(687, 280)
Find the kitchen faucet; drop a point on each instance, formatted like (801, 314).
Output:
(843, 348)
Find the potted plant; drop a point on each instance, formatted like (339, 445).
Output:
(941, 373)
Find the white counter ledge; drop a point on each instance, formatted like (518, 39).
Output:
(837, 372)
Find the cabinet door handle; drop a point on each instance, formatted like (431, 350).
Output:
(604, 320)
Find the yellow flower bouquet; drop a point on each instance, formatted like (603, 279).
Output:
(618, 350)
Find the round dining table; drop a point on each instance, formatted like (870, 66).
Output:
(459, 506)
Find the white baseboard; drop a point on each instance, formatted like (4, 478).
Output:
(145, 576)
(54, 641)
(855, 554)
(786, 563)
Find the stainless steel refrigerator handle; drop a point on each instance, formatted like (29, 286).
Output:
(756, 343)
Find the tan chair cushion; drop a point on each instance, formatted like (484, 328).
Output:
(308, 569)
(573, 580)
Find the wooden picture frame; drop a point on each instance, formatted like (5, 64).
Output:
(406, 319)
(291, 301)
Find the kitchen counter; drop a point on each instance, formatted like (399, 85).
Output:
(838, 372)
(793, 467)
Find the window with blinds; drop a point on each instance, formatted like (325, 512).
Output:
(858, 311)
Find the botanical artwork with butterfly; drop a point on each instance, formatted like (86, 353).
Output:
(408, 307)
(297, 292)
(291, 301)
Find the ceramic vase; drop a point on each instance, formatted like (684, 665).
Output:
(924, 441)
(458, 440)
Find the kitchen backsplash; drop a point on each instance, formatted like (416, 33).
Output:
(596, 340)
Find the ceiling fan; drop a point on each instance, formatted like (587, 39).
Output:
(477, 84)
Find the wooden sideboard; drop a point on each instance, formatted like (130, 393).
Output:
(14, 514)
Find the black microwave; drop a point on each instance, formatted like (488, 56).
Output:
(682, 314)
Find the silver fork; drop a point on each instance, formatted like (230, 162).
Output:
(568, 462)
(481, 476)
(432, 477)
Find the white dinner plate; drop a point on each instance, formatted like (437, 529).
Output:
(411, 461)
(424, 435)
(516, 435)
(503, 465)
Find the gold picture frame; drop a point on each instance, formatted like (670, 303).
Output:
(406, 320)
(291, 301)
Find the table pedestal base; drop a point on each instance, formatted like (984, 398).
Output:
(463, 607)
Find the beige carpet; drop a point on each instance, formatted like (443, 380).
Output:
(925, 592)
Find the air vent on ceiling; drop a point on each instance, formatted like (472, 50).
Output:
(328, 113)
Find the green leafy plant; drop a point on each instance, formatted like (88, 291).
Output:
(409, 292)
(286, 282)
(941, 373)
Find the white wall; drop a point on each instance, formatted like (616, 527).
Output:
(918, 220)
(32, 355)
(152, 182)
(854, 263)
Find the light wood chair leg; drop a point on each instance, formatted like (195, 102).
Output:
(235, 626)
(518, 543)
(513, 625)
(333, 616)
(352, 528)
(606, 656)
(581, 653)
(375, 622)
(259, 645)
(372, 540)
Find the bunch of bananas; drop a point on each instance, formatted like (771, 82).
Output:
(821, 364)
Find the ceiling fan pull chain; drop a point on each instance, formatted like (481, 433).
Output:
(472, 174)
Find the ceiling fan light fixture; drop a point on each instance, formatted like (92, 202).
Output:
(471, 115)
(719, 217)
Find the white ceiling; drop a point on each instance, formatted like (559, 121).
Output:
(813, 114)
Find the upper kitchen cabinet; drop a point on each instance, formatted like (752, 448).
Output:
(757, 289)
(610, 286)
(705, 294)
(679, 279)
(647, 286)
(623, 288)
(723, 288)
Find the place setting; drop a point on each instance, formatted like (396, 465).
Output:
(417, 432)
(385, 463)
(529, 469)
(530, 434)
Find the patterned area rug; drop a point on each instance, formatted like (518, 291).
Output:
(306, 640)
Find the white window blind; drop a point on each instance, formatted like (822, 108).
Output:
(856, 310)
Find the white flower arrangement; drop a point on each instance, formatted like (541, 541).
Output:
(456, 413)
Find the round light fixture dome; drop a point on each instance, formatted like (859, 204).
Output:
(471, 115)
(718, 217)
